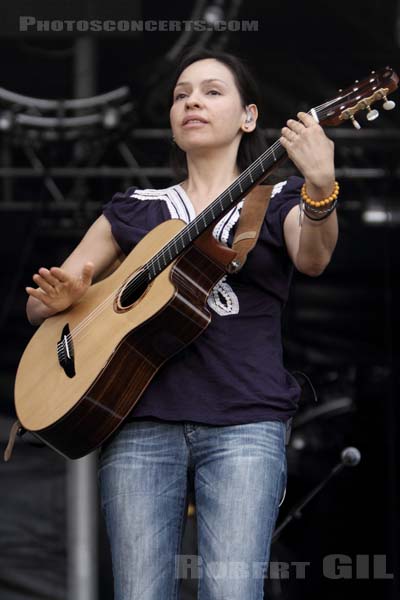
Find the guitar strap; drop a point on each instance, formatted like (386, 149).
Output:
(249, 226)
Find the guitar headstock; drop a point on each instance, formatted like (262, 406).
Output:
(359, 96)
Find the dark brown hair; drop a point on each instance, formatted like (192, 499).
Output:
(252, 144)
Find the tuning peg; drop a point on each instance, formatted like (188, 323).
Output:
(388, 104)
(372, 114)
(355, 123)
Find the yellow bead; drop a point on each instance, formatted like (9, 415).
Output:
(324, 202)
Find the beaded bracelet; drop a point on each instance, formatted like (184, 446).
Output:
(307, 200)
(307, 204)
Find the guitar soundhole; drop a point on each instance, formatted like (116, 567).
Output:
(132, 292)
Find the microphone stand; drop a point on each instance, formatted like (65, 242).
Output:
(350, 457)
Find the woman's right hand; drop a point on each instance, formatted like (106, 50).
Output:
(58, 290)
(60, 287)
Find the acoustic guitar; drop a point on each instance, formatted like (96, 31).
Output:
(85, 368)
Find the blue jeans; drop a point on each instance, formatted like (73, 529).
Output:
(239, 475)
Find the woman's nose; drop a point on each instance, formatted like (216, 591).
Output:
(192, 100)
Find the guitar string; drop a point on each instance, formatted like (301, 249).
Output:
(141, 277)
(153, 261)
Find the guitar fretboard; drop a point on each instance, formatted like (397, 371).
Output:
(253, 175)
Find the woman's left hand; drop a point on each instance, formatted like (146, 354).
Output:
(311, 151)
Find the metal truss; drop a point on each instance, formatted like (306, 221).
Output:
(356, 151)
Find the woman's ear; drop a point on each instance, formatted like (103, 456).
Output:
(250, 118)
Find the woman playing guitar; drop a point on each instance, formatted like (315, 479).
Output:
(216, 412)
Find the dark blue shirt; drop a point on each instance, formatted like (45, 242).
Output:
(233, 372)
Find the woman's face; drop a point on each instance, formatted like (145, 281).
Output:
(207, 111)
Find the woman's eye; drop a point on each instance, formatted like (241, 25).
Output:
(183, 95)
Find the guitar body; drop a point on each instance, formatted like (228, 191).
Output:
(116, 348)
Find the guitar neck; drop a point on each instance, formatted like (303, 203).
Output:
(247, 180)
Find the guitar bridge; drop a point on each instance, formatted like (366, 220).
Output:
(65, 352)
